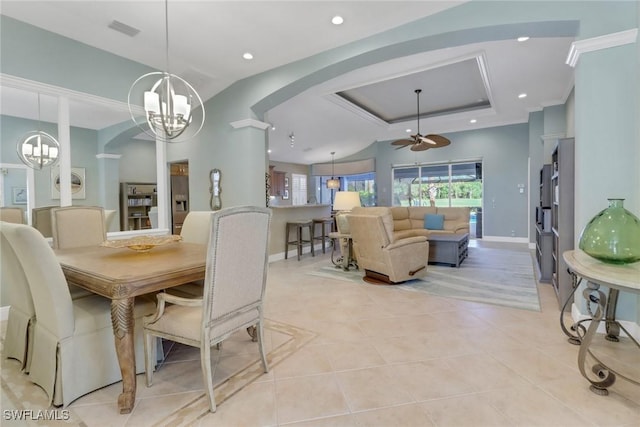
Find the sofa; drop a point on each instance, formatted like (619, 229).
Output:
(409, 221)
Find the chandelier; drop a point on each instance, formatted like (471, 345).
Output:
(333, 183)
(38, 149)
(171, 104)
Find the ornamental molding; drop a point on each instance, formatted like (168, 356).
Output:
(245, 123)
(598, 43)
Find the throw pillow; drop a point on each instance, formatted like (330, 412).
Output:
(434, 221)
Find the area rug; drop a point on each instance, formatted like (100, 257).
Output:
(491, 276)
(21, 396)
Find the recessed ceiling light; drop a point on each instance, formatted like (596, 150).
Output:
(269, 151)
(523, 38)
(472, 121)
(337, 20)
(273, 127)
(408, 130)
(522, 95)
(247, 55)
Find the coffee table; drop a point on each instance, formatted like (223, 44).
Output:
(449, 249)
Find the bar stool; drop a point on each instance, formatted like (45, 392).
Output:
(324, 233)
(299, 242)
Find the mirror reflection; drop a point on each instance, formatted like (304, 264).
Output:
(215, 201)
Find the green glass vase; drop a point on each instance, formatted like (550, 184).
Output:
(613, 235)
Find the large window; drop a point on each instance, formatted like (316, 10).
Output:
(450, 184)
(362, 183)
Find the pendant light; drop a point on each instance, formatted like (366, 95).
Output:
(333, 183)
(173, 110)
(38, 149)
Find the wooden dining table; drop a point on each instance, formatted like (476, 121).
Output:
(123, 274)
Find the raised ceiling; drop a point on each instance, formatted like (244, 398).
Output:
(208, 38)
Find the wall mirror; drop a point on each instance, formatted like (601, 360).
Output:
(215, 202)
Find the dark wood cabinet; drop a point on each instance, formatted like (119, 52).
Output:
(277, 182)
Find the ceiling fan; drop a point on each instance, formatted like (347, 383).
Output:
(420, 142)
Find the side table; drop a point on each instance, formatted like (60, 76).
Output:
(345, 261)
(617, 278)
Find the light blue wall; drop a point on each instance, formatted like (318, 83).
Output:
(606, 111)
(504, 154)
(83, 155)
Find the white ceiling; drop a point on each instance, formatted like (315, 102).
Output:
(213, 35)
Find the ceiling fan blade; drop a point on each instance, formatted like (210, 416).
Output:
(425, 140)
(403, 142)
(440, 141)
(421, 146)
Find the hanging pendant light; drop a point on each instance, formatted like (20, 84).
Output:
(333, 183)
(173, 110)
(38, 149)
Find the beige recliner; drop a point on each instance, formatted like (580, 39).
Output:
(384, 259)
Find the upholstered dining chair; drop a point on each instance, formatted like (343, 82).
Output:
(75, 226)
(73, 344)
(236, 273)
(14, 215)
(41, 220)
(109, 216)
(195, 229)
(18, 339)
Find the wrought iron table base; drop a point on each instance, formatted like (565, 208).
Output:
(605, 310)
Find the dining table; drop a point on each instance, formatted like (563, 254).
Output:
(121, 274)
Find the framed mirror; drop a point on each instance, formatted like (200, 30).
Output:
(214, 201)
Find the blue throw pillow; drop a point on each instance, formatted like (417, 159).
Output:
(434, 221)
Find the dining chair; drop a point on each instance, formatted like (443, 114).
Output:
(109, 215)
(195, 229)
(14, 215)
(235, 279)
(73, 343)
(75, 226)
(18, 339)
(41, 220)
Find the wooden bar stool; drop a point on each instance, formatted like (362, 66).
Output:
(324, 233)
(299, 242)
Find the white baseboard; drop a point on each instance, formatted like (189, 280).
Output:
(505, 239)
(4, 313)
(633, 328)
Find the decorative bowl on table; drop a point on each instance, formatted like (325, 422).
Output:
(141, 243)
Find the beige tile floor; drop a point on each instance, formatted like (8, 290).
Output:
(385, 357)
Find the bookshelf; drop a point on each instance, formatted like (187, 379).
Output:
(136, 199)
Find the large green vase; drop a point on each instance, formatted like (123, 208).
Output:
(613, 235)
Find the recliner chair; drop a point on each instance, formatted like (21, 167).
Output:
(383, 259)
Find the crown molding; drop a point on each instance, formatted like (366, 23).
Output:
(108, 156)
(598, 43)
(57, 91)
(552, 136)
(245, 123)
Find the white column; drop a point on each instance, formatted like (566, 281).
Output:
(64, 138)
(163, 184)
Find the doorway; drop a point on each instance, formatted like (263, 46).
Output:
(179, 190)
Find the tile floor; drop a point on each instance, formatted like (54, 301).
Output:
(384, 357)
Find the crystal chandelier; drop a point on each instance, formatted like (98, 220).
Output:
(333, 183)
(171, 110)
(38, 149)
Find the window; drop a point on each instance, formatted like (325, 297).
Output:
(298, 189)
(362, 183)
(450, 184)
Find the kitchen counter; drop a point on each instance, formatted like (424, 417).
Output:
(284, 214)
